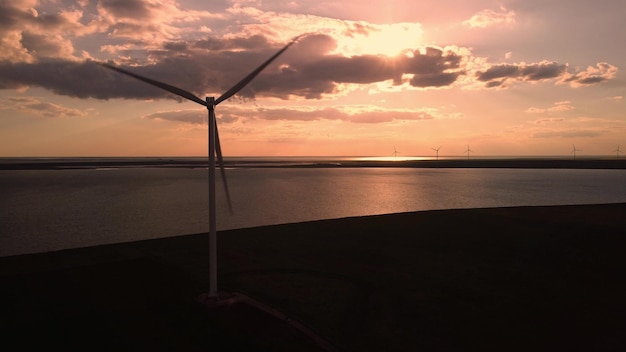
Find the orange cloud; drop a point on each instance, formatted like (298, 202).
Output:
(557, 107)
(36, 107)
(487, 18)
(592, 75)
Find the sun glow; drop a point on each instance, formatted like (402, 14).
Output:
(386, 39)
(392, 158)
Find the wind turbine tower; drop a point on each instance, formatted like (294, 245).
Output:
(395, 152)
(574, 150)
(213, 145)
(468, 151)
(617, 151)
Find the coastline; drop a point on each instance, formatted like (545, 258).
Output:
(312, 162)
(520, 278)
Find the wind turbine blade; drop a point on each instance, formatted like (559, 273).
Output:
(237, 87)
(220, 160)
(180, 92)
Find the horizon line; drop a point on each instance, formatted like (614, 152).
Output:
(428, 156)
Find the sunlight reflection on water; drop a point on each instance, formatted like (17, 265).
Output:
(42, 210)
(391, 158)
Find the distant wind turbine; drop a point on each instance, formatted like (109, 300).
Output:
(574, 150)
(214, 147)
(468, 151)
(437, 151)
(617, 151)
(395, 152)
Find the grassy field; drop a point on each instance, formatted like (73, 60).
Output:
(512, 279)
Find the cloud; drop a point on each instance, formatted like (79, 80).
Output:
(549, 120)
(33, 30)
(237, 43)
(155, 39)
(26, 35)
(559, 106)
(129, 9)
(487, 18)
(42, 45)
(434, 67)
(388, 116)
(572, 133)
(309, 69)
(16, 17)
(592, 75)
(34, 106)
(498, 74)
(198, 117)
(355, 114)
(616, 98)
(77, 79)
(310, 72)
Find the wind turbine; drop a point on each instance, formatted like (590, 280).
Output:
(468, 151)
(214, 147)
(395, 152)
(617, 151)
(436, 150)
(574, 150)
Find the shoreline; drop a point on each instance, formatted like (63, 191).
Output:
(328, 162)
(518, 278)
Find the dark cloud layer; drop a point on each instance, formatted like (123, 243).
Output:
(83, 80)
(253, 42)
(308, 69)
(497, 74)
(601, 73)
(135, 9)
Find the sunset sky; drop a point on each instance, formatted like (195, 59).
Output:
(511, 77)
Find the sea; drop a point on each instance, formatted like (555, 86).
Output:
(44, 210)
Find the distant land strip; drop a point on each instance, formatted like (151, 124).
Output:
(520, 163)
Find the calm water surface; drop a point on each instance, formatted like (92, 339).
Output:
(44, 210)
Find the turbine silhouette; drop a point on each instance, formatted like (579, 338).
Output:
(468, 151)
(574, 150)
(617, 151)
(395, 152)
(437, 151)
(214, 147)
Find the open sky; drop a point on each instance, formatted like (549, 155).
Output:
(509, 77)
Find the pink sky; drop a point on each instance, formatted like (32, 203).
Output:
(505, 77)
